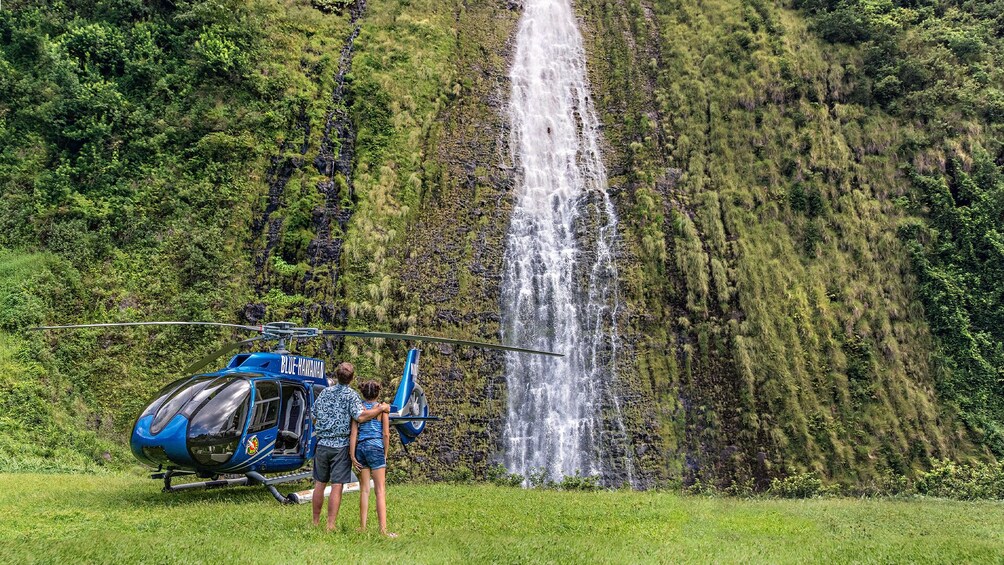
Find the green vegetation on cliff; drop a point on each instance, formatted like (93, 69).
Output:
(133, 144)
(810, 198)
(937, 65)
(765, 177)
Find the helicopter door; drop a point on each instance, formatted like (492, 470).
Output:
(266, 406)
(292, 420)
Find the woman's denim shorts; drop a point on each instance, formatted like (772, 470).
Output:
(369, 453)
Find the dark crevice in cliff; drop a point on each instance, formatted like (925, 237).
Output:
(333, 161)
(282, 166)
(328, 220)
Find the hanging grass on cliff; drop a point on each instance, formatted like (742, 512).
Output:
(765, 156)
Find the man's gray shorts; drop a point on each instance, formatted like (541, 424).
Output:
(332, 465)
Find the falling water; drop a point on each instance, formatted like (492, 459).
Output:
(560, 281)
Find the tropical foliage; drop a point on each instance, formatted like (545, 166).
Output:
(810, 198)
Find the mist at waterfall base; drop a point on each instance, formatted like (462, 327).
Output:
(559, 289)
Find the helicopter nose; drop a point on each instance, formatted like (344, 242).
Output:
(166, 447)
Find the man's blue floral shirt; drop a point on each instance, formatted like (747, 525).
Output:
(334, 410)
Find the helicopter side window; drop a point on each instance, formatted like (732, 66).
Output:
(178, 399)
(216, 426)
(318, 389)
(266, 406)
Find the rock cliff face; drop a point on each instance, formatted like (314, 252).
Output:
(455, 249)
(773, 335)
(348, 164)
(770, 326)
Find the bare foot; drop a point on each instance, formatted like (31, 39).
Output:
(389, 534)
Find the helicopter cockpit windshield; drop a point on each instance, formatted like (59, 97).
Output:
(216, 425)
(161, 396)
(177, 399)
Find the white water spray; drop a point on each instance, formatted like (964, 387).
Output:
(559, 290)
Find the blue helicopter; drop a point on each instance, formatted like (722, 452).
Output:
(235, 425)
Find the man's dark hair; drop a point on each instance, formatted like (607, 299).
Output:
(344, 372)
(370, 390)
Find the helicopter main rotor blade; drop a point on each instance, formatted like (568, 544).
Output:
(198, 365)
(349, 333)
(123, 324)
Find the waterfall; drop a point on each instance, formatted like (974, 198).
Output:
(559, 289)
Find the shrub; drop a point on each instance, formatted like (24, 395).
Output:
(844, 25)
(579, 481)
(397, 475)
(814, 203)
(813, 237)
(889, 483)
(803, 485)
(539, 478)
(500, 476)
(993, 108)
(887, 89)
(460, 475)
(966, 45)
(796, 197)
(19, 309)
(220, 54)
(744, 488)
(831, 490)
(699, 487)
(98, 44)
(948, 479)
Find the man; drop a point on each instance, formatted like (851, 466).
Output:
(333, 411)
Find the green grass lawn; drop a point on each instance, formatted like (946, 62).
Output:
(122, 518)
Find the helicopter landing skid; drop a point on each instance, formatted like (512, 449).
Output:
(252, 478)
(200, 484)
(255, 478)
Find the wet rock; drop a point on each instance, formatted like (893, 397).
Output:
(254, 312)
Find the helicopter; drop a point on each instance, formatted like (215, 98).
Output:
(250, 418)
